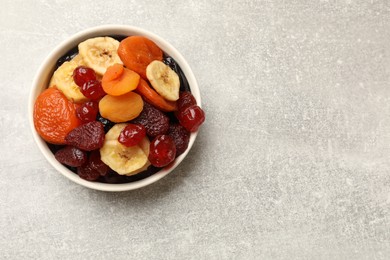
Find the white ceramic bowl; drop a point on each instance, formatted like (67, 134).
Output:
(46, 70)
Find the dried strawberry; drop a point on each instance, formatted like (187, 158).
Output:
(180, 136)
(71, 156)
(87, 137)
(154, 121)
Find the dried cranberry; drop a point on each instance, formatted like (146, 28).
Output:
(87, 137)
(191, 117)
(97, 164)
(180, 136)
(71, 156)
(87, 112)
(83, 74)
(93, 89)
(186, 99)
(86, 172)
(154, 121)
(132, 134)
(162, 151)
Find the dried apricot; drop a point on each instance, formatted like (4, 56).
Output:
(122, 108)
(54, 116)
(136, 52)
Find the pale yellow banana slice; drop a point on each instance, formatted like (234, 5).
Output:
(63, 79)
(99, 53)
(145, 146)
(124, 160)
(164, 80)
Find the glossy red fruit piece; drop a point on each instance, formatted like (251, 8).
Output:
(162, 151)
(83, 74)
(180, 136)
(186, 99)
(191, 117)
(132, 134)
(87, 137)
(93, 89)
(88, 111)
(71, 156)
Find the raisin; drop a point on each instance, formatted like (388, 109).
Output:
(155, 122)
(180, 136)
(71, 156)
(87, 137)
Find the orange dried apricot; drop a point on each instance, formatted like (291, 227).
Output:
(54, 116)
(122, 108)
(136, 52)
(118, 80)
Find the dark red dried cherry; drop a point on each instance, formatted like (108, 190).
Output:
(162, 151)
(132, 134)
(88, 111)
(83, 74)
(93, 89)
(191, 117)
(186, 99)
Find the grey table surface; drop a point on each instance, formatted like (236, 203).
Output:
(292, 163)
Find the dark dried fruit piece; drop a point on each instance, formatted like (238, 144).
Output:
(106, 123)
(86, 172)
(180, 136)
(87, 137)
(155, 122)
(71, 156)
(97, 164)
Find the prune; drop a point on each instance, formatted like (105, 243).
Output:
(180, 136)
(87, 137)
(106, 123)
(155, 122)
(162, 151)
(71, 156)
(191, 118)
(184, 86)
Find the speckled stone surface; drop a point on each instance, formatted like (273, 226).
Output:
(293, 161)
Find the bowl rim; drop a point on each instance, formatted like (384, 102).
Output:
(46, 69)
